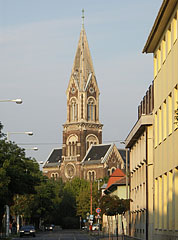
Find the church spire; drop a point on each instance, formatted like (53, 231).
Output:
(82, 70)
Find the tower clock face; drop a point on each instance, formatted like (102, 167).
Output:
(70, 170)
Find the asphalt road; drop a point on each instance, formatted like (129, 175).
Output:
(60, 235)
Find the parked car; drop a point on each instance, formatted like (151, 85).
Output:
(49, 227)
(27, 230)
(85, 228)
(95, 226)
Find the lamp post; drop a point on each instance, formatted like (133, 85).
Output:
(123, 142)
(9, 133)
(127, 195)
(35, 148)
(18, 100)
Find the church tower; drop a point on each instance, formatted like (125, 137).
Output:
(82, 127)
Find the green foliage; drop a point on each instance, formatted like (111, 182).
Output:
(112, 205)
(18, 174)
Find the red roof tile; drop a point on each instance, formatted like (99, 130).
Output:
(117, 175)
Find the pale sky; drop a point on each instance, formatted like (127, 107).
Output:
(38, 41)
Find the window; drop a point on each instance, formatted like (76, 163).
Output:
(164, 120)
(72, 145)
(73, 110)
(163, 47)
(91, 110)
(175, 106)
(174, 24)
(159, 59)
(113, 169)
(54, 175)
(91, 139)
(169, 40)
(165, 200)
(160, 201)
(170, 194)
(155, 66)
(91, 175)
(156, 212)
(170, 114)
(160, 124)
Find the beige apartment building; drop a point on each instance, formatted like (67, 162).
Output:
(163, 43)
(140, 143)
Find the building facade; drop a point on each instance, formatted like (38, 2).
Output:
(140, 143)
(163, 43)
(116, 186)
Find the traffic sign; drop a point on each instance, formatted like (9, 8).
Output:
(98, 210)
(91, 217)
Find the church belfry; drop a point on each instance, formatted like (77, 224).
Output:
(82, 127)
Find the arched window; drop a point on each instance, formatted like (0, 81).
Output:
(54, 175)
(91, 175)
(91, 110)
(72, 145)
(113, 169)
(91, 139)
(73, 110)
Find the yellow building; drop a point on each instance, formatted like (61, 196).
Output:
(163, 43)
(140, 143)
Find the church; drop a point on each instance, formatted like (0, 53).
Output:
(82, 154)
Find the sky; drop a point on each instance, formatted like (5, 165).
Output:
(38, 42)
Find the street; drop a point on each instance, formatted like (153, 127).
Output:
(66, 235)
(60, 235)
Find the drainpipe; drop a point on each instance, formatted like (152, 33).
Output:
(146, 184)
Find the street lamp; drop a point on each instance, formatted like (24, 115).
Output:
(34, 148)
(123, 142)
(18, 100)
(8, 134)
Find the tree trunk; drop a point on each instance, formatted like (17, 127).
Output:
(116, 218)
(108, 227)
(122, 226)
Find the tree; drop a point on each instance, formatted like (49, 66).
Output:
(18, 174)
(41, 206)
(112, 205)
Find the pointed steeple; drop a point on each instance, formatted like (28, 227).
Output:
(83, 67)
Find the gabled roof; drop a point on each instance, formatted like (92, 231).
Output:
(117, 175)
(54, 158)
(97, 153)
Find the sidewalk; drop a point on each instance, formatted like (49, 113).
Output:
(102, 236)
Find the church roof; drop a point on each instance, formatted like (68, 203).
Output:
(54, 158)
(97, 153)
